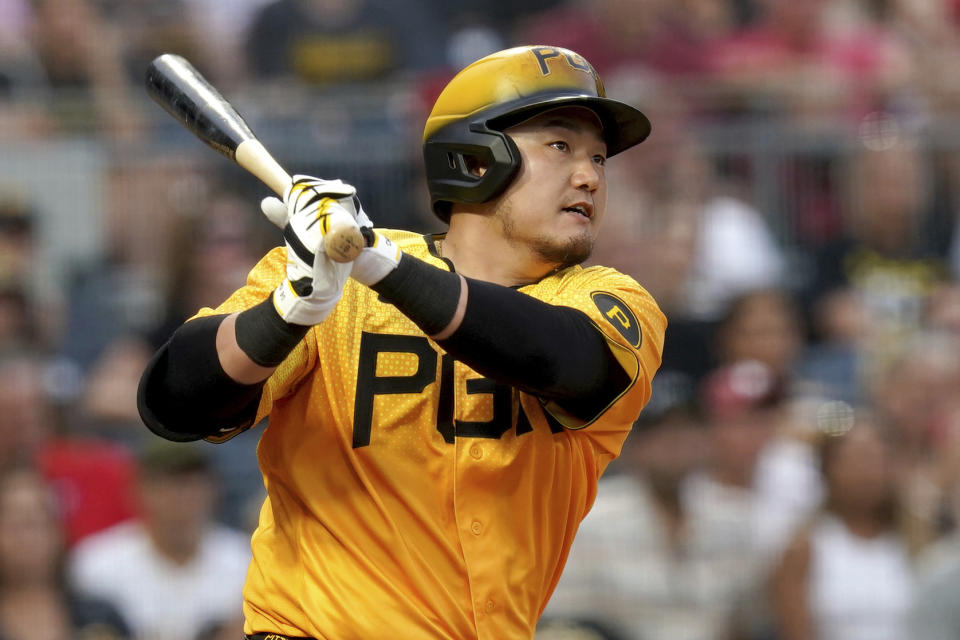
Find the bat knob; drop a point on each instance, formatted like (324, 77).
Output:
(343, 242)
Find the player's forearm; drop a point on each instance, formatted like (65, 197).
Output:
(236, 363)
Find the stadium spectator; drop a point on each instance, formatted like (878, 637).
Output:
(942, 312)
(90, 477)
(930, 31)
(847, 574)
(566, 629)
(475, 30)
(78, 53)
(915, 391)
(682, 224)
(35, 600)
(17, 239)
(762, 325)
(667, 551)
(935, 615)
(174, 572)
(147, 28)
(745, 406)
(224, 25)
(19, 68)
(326, 42)
(832, 364)
(791, 63)
(658, 36)
(119, 289)
(884, 255)
(207, 257)
(18, 326)
(225, 231)
(681, 198)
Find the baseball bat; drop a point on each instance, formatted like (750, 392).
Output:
(185, 94)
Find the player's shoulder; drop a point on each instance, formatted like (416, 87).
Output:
(592, 280)
(596, 275)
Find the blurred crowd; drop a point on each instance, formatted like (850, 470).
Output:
(796, 475)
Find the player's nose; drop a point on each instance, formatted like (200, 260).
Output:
(587, 175)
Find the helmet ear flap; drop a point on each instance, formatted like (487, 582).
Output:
(450, 157)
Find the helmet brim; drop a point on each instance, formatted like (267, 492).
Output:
(623, 125)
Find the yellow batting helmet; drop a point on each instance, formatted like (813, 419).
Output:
(501, 90)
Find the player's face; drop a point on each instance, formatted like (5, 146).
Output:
(555, 204)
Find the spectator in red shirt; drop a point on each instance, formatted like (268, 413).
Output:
(662, 36)
(790, 61)
(91, 478)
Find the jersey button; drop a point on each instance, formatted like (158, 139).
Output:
(490, 606)
(476, 528)
(476, 451)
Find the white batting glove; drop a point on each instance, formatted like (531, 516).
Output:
(377, 260)
(381, 255)
(279, 211)
(314, 282)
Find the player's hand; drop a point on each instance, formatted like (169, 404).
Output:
(379, 257)
(298, 194)
(314, 282)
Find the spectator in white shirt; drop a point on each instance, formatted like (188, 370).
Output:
(174, 571)
(666, 552)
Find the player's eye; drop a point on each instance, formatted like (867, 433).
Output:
(600, 160)
(560, 145)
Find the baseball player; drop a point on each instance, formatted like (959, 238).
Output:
(440, 409)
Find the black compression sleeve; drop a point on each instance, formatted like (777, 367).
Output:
(264, 336)
(425, 294)
(184, 392)
(551, 351)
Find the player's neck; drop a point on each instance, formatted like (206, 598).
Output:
(478, 251)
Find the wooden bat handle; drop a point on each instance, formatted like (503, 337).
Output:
(254, 157)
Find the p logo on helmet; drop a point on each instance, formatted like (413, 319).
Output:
(575, 60)
(467, 123)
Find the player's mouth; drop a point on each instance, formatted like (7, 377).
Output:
(584, 209)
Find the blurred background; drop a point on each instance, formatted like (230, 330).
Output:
(796, 475)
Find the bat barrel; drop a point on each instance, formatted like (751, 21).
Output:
(186, 95)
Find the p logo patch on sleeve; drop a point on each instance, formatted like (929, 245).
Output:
(619, 315)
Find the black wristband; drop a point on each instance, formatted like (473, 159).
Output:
(425, 294)
(264, 336)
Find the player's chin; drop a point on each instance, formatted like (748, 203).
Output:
(569, 251)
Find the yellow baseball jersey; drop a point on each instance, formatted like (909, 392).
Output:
(407, 495)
